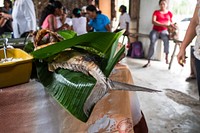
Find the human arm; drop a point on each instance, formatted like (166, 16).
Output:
(189, 36)
(128, 20)
(52, 24)
(108, 27)
(5, 15)
(154, 22)
(107, 24)
(157, 23)
(2, 21)
(89, 25)
(117, 26)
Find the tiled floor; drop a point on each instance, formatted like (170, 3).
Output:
(174, 110)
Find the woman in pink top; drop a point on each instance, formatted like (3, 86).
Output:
(161, 20)
(50, 21)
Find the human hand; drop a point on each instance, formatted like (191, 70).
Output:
(65, 26)
(167, 24)
(4, 15)
(1, 14)
(181, 57)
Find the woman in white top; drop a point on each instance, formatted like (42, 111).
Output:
(79, 23)
(124, 20)
(192, 31)
(24, 19)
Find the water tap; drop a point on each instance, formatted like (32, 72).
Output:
(5, 47)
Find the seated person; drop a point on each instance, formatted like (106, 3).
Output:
(6, 22)
(79, 22)
(99, 22)
(161, 20)
(45, 12)
(50, 22)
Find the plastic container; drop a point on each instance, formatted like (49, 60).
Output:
(13, 73)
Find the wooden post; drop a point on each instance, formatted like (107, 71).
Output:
(105, 7)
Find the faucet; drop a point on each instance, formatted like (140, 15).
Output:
(5, 42)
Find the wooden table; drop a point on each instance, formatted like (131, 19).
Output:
(28, 108)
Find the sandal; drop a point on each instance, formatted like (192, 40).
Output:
(191, 77)
(147, 65)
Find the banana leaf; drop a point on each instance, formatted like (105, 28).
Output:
(67, 34)
(101, 41)
(29, 47)
(71, 89)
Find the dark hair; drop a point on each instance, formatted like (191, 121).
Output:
(123, 7)
(51, 1)
(162, 1)
(57, 4)
(50, 9)
(93, 8)
(10, 3)
(77, 12)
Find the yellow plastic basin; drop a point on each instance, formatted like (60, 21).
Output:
(13, 73)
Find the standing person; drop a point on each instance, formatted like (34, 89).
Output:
(45, 12)
(124, 19)
(99, 22)
(6, 22)
(24, 19)
(192, 66)
(161, 20)
(79, 23)
(50, 22)
(192, 31)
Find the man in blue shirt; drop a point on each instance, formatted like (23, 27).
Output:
(99, 22)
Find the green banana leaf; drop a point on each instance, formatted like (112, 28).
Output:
(67, 34)
(29, 47)
(113, 62)
(101, 41)
(71, 89)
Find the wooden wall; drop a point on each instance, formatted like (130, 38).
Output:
(134, 9)
(69, 4)
(105, 7)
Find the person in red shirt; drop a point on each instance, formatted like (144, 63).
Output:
(161, 19)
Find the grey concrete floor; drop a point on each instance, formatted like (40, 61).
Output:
(174, 110)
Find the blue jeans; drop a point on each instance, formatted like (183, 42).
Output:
(154, 36)
(197, 63)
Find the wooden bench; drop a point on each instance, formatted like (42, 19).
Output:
(176, 42)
